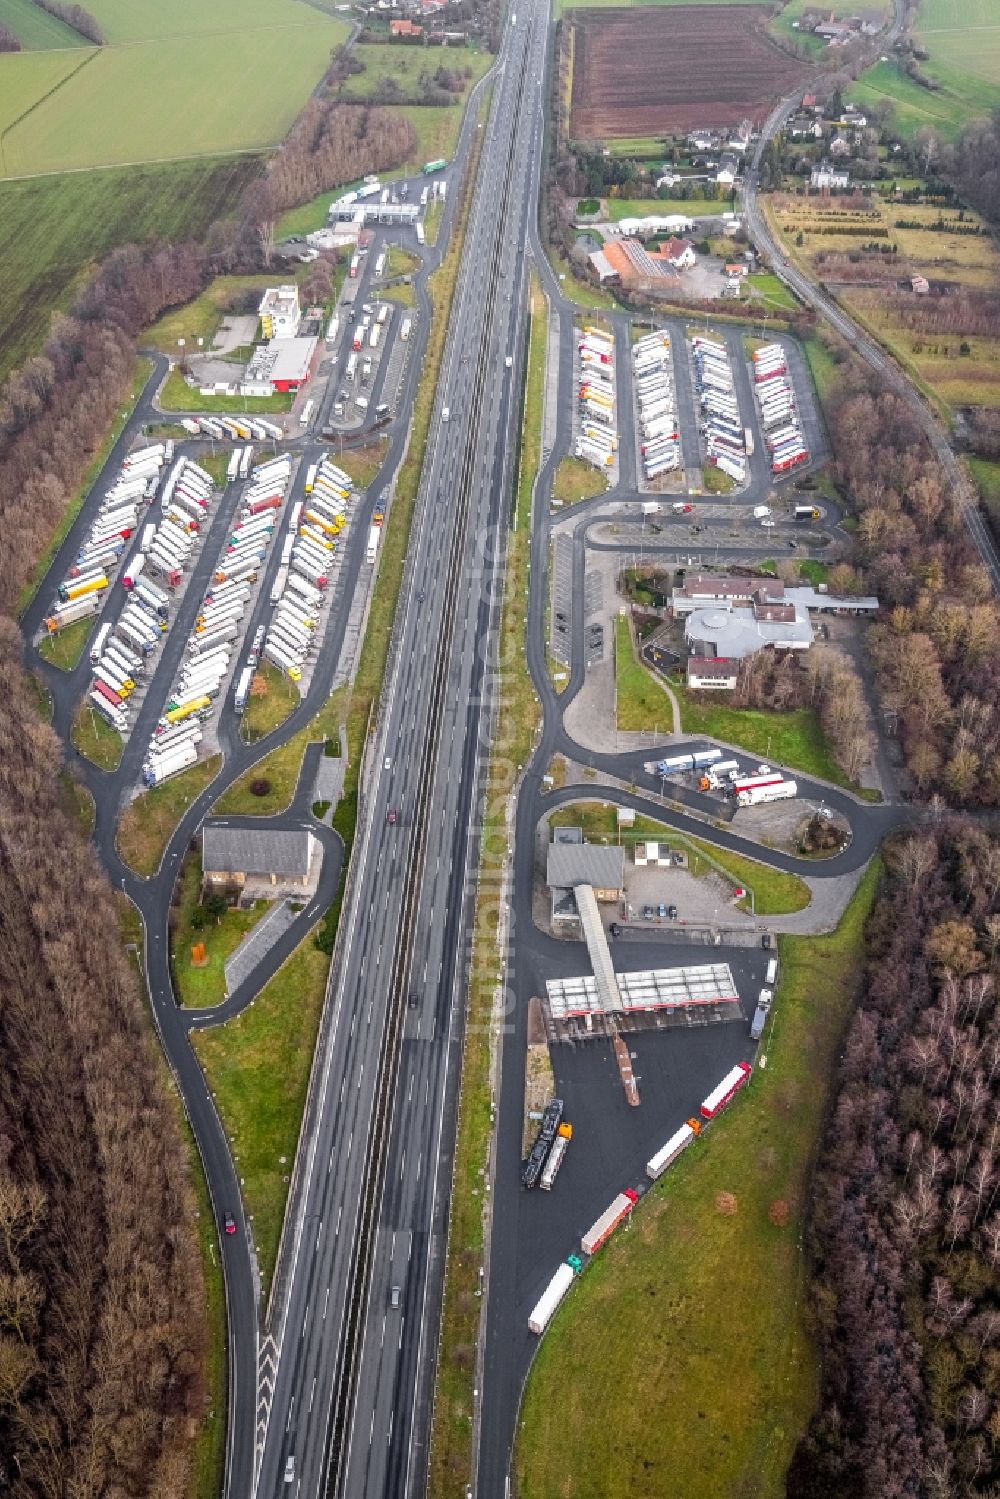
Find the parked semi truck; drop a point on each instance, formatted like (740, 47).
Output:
(545, 1308)
(721, 1095)
(547, 1130)
(760, 1015)
(754, 796)
(560, 1145)
(679, 1141)
(609, 1220)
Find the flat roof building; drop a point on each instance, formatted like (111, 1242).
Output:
(701, 589)
(279, 311)
(231, 856)
(284, 363)
(599, 865)
(734, 633)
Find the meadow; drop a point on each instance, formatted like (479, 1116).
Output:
(173, 82)
(404, 64)
(962, 37)
(35, 29)
(947, 109)
(53, 228)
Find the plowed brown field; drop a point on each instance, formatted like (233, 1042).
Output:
(660, 69)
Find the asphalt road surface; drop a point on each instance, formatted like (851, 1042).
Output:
(352, 1389)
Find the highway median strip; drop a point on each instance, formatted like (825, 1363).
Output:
(516, 721)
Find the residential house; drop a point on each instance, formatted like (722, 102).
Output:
(679, 253)
(825, 177)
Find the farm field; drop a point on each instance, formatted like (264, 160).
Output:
(653, 70)
(35, 29)
(51, 230)
(962, 36)
(946, 110)
(181, 93)
(947, 344)
(25, 77)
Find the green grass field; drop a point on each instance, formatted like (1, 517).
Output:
(963, 39)
(257, 1066)
(682, 1362)
(643, 208)
(95, 739)
(771, 292)
(24, 78)
(52, 229)
(946, 110)
(404, 64)
(65, 648)
(174, 81)
(35, 29)
(204, 986)
(148, 821)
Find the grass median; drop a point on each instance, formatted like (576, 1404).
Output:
(65, 647)
(257, 1066)
(516, 722)
(149, 821)
(690, 1333)
(95, 739)
(576, 480)
(276, 696)
(220, 933)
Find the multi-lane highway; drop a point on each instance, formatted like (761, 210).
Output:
(339, 1374)
(355, 1322)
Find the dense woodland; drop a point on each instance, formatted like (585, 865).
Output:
(936, 647)
(101, 1290)
(329, 143)
(102, 1334)
(906, 1216)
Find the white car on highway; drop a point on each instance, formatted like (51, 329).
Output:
(768, 523)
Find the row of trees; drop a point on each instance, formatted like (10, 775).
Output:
(55, 409)
(824, 679)
(937, 648)
(101, 1291)
(75, 16)
(329, 143)
(905, 1228)
(8, 41)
